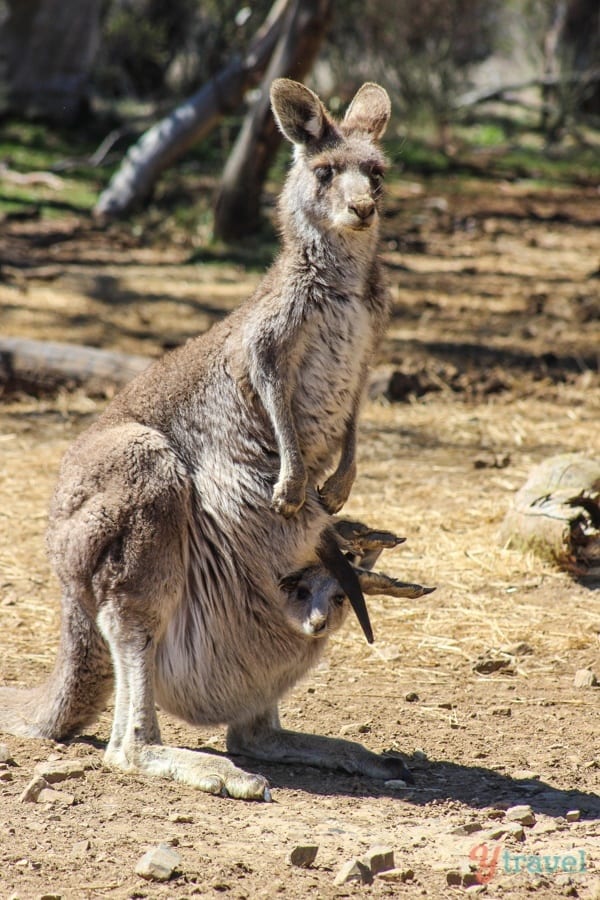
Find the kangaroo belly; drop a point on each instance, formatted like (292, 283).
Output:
(228, 650)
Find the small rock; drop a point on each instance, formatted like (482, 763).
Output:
(56, 770)
(49, 795)
(5, 777)
(453, 878)
(494, 813)
(402, 875)
(525, 775)
(501, 711)
(49, 897)
(524, 815)
(355, 728)
(32, 791)
(353, 870)
(420, 755)
(411, 697)
(181, 819)
(395, 784)
(303, 855)
(573, 815)
(585, 678)
(5, 756)
(80, 848)
(487, 664)
(379, 859)
(506, 829)
(467, 828)
(158, 864)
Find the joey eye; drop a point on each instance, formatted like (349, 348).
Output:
(338, 599)
(302, 594)
(324, 174)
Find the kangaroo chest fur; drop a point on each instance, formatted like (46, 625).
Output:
(334, 344)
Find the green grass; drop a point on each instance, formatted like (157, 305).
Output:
(183, 199)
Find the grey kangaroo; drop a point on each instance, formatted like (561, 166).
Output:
(189, 522)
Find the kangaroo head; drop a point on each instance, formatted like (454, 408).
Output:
(335, 184)
(314, 603)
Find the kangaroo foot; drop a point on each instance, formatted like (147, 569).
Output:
(204, 771)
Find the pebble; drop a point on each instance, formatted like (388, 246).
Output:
(411, 697)
(49, 795)
(353, 870)
(158, 864)
(501, 711)
(584, 678)
(181, 819)
(395, 784)
(379, 859)
(355, 728)
(467, 828)
(303, 855)
(510, 829)
(524, 815)
(31, 792)
(402, 875)
(573, 815)
(5, 756)
(56, 770)
(80, 848)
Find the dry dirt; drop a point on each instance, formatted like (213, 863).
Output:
(496, 336)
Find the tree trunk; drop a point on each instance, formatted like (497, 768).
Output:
(169, 139)
(237, 211)
(557, 513)
(47, 49)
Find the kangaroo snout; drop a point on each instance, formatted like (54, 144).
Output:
(364, 209)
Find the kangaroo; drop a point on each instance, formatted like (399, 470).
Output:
(206, 482)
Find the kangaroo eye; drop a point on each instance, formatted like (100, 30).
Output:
(302, 594)
(339, 599)
(324, 174)
(376, 176)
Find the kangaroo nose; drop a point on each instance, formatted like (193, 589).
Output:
(364, 209)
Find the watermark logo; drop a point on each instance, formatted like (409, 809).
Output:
(489, 858)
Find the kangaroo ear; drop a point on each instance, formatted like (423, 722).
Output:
(369, 111)
(299, 113)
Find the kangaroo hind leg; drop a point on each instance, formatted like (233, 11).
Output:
(139, 582)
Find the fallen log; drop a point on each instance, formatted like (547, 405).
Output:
(42, 367)
(557, 513)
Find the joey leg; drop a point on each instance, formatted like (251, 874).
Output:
(263, 738)
(379, 583)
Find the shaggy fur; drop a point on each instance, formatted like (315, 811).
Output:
(204, 484)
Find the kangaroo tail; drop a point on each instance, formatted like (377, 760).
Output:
(76, 690)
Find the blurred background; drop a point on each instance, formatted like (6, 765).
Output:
(507, 84)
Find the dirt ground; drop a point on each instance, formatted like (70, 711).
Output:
(495, 341)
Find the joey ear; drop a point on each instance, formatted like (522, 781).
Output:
(298, 111)
(370, 110)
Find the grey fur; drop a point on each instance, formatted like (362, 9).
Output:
(179, 511)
